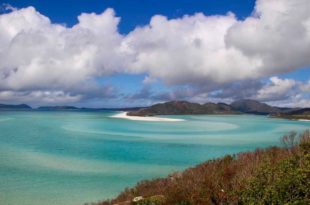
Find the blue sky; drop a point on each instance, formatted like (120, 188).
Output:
(151, 59)
(134, 12)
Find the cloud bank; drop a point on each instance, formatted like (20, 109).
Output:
(56, 63)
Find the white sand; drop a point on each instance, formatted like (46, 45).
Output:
(304, 120)
(154, 119)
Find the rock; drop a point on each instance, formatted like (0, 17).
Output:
(138, 198)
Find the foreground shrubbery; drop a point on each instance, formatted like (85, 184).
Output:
(265, 176)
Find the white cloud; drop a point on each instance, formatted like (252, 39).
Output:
(221, 49)
(297, 100)
(40, 57)
(305, 87)
(149, 80)
(48, 97)
(278, 35)
(8, 7)
(278, 88)
(285, 93)
(191, 49)
(37, 55)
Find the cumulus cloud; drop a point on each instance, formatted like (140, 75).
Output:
(186, 50)
(35, 53)
(45, 59)
(277, 34)
(49, 97)
(220, 49)
(296, 100)
(38, 56)
(305, 87)
(245, 89)
(149, 80)
(284, 93)
(7, 7)
(147, 95)
(276, 89)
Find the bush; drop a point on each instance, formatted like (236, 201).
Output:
(265, 176)
(285, 182)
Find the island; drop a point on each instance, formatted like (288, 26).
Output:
(297, 114)
(15, 107)
(246, 106)
(183, 108)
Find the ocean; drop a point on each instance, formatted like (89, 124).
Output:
(66, 158)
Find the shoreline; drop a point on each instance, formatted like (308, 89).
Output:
(123, 115)
(303, 120)
(185, 183)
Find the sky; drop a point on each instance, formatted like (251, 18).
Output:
(117, 53)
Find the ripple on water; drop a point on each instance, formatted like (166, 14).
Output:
(39, 161)
(75, 157)
(149, 129)
(5, 119)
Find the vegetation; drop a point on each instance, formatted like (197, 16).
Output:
(303, 113)
(265, 176)
(183, 108)
(238, 107)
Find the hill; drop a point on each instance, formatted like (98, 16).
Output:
(60, 108)
(183, 108)
(303, 113)
(254, 107)
(72, 108)
(15, 107)
(238, 107)
(265, 176)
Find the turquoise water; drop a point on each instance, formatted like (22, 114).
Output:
(64, 158)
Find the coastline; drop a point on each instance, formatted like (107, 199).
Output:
(304, 120)
(123, 115)
(223, 180)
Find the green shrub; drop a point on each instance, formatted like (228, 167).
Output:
(275, 176)
(284, 182)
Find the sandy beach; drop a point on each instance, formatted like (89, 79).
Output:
(304, 120)
(154, 119)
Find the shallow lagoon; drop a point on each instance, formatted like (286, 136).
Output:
(69, 158)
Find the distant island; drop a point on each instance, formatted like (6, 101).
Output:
(15, 107)
(246, 106)
(24, 107)
(303, 113)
